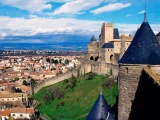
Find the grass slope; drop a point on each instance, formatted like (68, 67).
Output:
(77, 102)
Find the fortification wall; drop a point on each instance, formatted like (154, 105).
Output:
(85, 67)
(101, 67)
(128, 79)
(47, 82)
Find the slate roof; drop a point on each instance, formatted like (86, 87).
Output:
(144, 48)
(115, 33)
(100, 110)
(158, 34)
(93, 39)
(107, 45)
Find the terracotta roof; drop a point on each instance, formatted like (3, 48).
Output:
(6, 112)
(22, 110)
(25, 88)
(11, 95)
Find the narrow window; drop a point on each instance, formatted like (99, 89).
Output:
(126, 70)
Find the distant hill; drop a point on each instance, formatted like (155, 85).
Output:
(77, 100)
(46, 42)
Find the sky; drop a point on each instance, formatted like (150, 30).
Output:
(83, 17)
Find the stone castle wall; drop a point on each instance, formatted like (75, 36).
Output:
(101, 67)
(128, 79)
(54, 80)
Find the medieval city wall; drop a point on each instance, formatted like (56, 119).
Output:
(50, 81)
(85, 67)
(128, 79)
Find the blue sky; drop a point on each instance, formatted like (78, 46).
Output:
(33, 17)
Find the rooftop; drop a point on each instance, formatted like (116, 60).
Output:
(116, 33)
(144, 48)
(107, 45)
(93, 39)
(11, 95)
(100, 110)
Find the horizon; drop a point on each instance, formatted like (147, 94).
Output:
(32, 21)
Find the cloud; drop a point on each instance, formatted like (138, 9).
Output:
(141, 12)
(28, 27)
(61, 1)
(80, 13)
(129, 15)
(110, 7)
(76, 6)
(29, 5)
(34, 26)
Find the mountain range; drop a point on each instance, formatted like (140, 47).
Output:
(56, 42)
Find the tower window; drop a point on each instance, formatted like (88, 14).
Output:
(126, 70)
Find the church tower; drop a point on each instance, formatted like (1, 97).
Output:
(143, 52)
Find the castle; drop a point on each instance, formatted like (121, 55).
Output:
(138, 63)
(110, 46)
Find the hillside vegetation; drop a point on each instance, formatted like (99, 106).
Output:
(72, 99)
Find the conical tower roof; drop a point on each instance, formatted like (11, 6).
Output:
(158, 34)
(144, 48)
(100, 110)
(93, 39)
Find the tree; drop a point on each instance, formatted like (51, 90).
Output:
(16, 79)
(56, 61)
(90, 76)
(66, 61)
(24, 82)
(48, 60)
(32, 82)
(74, 65)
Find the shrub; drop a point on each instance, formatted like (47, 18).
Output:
(108, 83)
(60, 103)
(90, 76)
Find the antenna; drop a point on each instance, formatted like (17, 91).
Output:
(145, 19)
(101, 91)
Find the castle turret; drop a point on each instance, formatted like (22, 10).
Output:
(93, 48)
(100, 110)
(143, 51)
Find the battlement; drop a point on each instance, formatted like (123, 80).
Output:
(108, 24)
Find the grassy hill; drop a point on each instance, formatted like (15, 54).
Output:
(77, 101)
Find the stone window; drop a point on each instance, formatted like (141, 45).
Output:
(127, 70)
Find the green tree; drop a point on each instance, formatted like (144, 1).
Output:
(48, 60)
(56, 61)
(24, 82)
(74, 65)
(16, 79)
(66, 61)
(32, 82)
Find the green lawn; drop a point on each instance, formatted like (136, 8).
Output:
(77, 101)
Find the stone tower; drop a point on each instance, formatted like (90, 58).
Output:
(143, 52)
(105, 37)
(93, 48)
